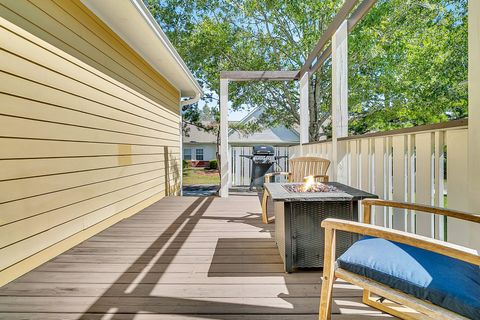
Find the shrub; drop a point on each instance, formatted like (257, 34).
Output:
(185, 164)
(212, 164)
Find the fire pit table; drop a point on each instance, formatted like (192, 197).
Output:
(299, 212)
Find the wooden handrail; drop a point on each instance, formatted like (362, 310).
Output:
(368, 203)
(267, 176)
(441, 247)
(452, 124)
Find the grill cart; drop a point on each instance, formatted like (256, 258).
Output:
(263, 160)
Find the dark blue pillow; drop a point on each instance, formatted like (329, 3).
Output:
(444, 281)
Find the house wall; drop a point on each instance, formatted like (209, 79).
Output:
(89, 132)
(209, 150)
(270, 136)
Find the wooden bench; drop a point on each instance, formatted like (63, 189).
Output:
(377, 270)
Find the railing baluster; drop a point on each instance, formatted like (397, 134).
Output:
(400, 181)
(457, 187)
(379, 179)
(411, 180)
(408, 166)
(439, 183)
(424, 182)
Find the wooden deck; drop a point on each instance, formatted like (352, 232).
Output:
(181, 258)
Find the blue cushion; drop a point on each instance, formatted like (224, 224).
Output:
(444, 281)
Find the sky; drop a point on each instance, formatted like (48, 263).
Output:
(232, 115)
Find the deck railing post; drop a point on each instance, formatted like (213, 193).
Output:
(224, 156)
(339, 94)
(462, 158)
(474, 115)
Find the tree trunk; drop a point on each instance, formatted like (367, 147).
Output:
(217, 155)
(313, 107)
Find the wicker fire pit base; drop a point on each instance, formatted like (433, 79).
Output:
(299, 213)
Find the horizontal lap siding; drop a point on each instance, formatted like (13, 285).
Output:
(71, 27)
(88, 130)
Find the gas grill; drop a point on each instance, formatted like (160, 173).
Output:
(263, 160)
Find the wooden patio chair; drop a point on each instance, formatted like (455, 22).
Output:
(437, 279)
(300, 168)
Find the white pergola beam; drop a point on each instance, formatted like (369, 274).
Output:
(304, 111)
(224, 156)
(259, 75)
(341, 16)
(339, 91)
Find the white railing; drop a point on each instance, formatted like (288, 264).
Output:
(241, 167)
(407, 165)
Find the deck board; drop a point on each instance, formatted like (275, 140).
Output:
(181, 258)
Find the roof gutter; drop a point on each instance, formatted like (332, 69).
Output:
(131, 21)
(150, 20)
(192, 100)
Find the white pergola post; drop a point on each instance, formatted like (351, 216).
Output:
(474, 116)
(304, 111)
(224, 156)
(339, 92)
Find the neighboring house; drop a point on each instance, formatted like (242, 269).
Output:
(199, 146)
(90, 123)
(241, 144)
(279, 136)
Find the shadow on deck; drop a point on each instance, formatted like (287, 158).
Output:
(181, 258)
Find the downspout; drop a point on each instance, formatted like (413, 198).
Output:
(183, 103)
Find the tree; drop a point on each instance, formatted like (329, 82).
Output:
(207, 114)
(221, 35)
(407, 57)
(407, 62)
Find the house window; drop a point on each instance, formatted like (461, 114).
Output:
(187, 154)
(198, 154)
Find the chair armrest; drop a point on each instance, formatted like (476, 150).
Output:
(271, 174)
(323, 177)
(368, 203)
(445, 248)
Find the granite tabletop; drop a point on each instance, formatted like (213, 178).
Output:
(344, 193)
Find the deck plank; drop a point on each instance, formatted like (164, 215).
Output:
(181, 258)
(75, 316)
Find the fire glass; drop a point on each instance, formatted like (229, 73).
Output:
(309, 187)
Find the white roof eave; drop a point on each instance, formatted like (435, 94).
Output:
(132, 22)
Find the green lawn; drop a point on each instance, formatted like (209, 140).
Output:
(200, 176)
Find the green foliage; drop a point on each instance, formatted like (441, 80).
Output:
(185, 164)
(213, 164)
(406, 59)
(208, 114)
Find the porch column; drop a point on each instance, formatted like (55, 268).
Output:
(224, 157)
(474, 116)
(339, 95)
(304, 111)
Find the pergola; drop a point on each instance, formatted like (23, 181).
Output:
(337, 35)
(337, 32)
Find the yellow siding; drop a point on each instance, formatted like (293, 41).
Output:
(70, 26)
(89, 132)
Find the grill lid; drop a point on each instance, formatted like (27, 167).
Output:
(263, 150)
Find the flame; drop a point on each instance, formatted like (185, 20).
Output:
(309, 182)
